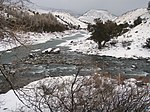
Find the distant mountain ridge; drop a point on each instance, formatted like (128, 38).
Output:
(89, 16)
(48, 9)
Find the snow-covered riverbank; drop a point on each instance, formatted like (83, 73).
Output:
(31, 38)
(125, 47)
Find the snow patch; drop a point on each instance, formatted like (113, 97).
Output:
(47, 50)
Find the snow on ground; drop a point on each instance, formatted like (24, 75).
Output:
(66, 18)
(31, 38)
(11, 102)
(35, 38)
(5, 44)
(129, 45)
(95, 14)
(131, 16)
(135, 50)
(41, 11)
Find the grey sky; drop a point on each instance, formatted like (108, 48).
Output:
(116, 7)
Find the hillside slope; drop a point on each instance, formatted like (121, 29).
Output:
(131, 16)
(128, 45)
(94, 14)
(68, 19)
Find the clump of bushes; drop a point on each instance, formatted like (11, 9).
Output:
(20, 20)
(42, 23)
(103, 32)
(137, 21)
(147, 43)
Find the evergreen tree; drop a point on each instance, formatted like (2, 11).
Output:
(103, 32)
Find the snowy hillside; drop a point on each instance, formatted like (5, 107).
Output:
(94, 14)
(66, 18)
(128, 45)
(15, 12)
(131, 16)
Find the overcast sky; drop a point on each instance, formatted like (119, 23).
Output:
(116, 7)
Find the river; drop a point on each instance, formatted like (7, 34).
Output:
(26, 70)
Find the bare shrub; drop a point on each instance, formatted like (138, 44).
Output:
(126, 43)
(5, 30)
(85, 94)
(20, 19)
(15, 17)
(147, 43)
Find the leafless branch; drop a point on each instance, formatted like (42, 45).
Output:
(11, 84)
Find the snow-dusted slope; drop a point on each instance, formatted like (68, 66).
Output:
(128, 45)
(66, 18)
(94, 14)
(131, 16)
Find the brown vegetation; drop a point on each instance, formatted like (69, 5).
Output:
(14, 17)
(86, 94)
(96, 93)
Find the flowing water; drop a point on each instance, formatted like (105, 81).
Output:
(64, 63)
